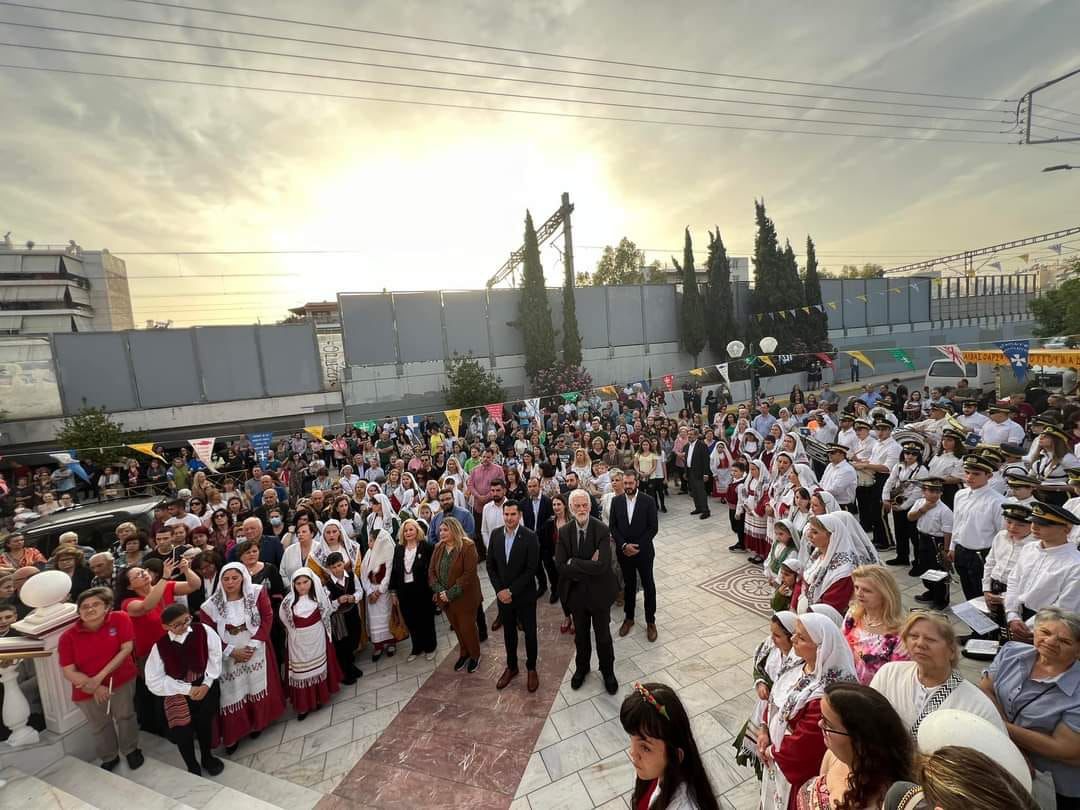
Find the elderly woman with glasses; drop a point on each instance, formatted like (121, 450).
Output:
(1036, 687)
(930, 681)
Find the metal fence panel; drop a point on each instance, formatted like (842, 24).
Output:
(624, 303)
(466, 322)
(876, 291)
(419, 326)
(93, 370)
(166, 372)
(661, 317)
(832, 291)
(503, 312)
(367, 323)
(290, 359)
(229, 360)
(591, 306)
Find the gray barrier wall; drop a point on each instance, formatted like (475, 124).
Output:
(158, 368)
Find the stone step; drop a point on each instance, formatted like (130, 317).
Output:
(200, 792)
(100, 788)
(254, 785)
(24, 791)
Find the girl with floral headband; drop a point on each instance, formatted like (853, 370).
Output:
(670, 774)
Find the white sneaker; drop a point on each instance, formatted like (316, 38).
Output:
(410, 659)
(429, 656)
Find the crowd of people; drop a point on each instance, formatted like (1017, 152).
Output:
(268, 579)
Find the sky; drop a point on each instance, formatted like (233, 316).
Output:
(424, 197)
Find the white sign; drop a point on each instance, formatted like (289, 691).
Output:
(332, 358)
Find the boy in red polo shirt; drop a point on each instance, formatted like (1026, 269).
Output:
(95, 655)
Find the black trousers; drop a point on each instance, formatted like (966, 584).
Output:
(521, 612)
(419, 614)
(697, 492)
(738, 525)
(601, 625)
(345, 647)
(633, 567)
(870, 517)
(969, 567)
(547, 569)
(203, 713)
(929, 554)
(904, 534)
(655, 487)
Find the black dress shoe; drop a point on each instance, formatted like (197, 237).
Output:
(578, 678)
(135, 759)
(736, 547)
(213, 765)
(473, 664)
(913, 573)
(696, 512)
(231, 749)
(301, 715)
(898, 561)
(705, 515)
(610, 683)
(110, 764)
(461, 662)
(663, 508)
(924, 598)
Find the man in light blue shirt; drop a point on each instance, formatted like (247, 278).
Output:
(764, 420)
(446, 502)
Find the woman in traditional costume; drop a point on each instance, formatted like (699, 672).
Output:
(313, 671)
(375, 580)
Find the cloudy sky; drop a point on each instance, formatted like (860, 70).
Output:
(434, 197)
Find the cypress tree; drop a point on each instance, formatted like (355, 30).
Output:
(571, 339)
(766, 278)
(534, 311)
(692, 322)
(818, 335)
(719, 304)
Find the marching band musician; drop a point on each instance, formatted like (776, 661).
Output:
(840, 479)
(883, 457)
(1021, 488)
(995, 458)
(1004, 552)
(868, 502)
(1047, 573)
(846, 434)
(1014, 459)
(1000, 428)
(933, 528)
(976, 519)
(970, 417)
(935, 426)
(897, 494)
(1049, 465)
(1073, 504)
(948, 464)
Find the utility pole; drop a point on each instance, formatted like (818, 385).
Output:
(568, 239)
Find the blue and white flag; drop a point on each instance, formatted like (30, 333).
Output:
(1016, 352)
(260, 443)
(70, 461)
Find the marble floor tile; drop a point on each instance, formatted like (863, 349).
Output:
(548, 736)
(535, 776)
(348, 709)
(709, 732)
(698, 697)
(295, 729)
(608, 778)
(568, 756)
(574, 719)
(744, 796)
(340, 760)
(397, 692)
(566, 794)
(391, 788)
(690, 670)
(373, 722)
(319, 742)
(608, 738)
(492, 727)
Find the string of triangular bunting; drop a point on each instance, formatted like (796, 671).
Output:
(785, 314)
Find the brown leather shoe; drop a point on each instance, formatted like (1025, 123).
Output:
(504, 679)
(533, 682)
(626, 625)
(650, 632)
(496, 625)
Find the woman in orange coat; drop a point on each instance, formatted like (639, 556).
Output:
(456, 589)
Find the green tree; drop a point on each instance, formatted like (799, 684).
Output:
(1057, 311)
(534, 310)
(719, 304)
(818, 333)
(469, 384)
(624, 264)
(767, 272)
(95, 436)
(571, 338)
(854, 271)
(692, 320)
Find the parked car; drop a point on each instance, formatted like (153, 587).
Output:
(94, 522)
(945, 373)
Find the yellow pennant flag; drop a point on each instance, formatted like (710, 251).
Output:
(862, 298)
(453, 416)
(1025, 257)
(896, 289)
(697, 372)
(862, 358)
(759, 317)
(806, 310)
(609, 390)
(146, 448)
(316, 431)
(830, 304)
(764, 358)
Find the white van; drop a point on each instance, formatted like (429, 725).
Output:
(942, 373)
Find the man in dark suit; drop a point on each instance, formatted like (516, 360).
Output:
(536, 509)
(574, 483)
(634, 525)
(512, 561)
(587, 586)
(697, 467)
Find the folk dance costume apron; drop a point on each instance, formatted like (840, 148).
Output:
(313, 669)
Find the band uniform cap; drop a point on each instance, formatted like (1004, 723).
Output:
(1012, 450)
(978, 463)
(836, 448)
(1074, 474)
(1018, 480)
(846, 415)
(1048, 514)
(1017, 512)
(999, 409)
(992, 453)
(937, 405)
(1055, 430)
(866, 423)
(882, 423)
(932, 482)
(969, 401)
(956, 434)
(912, 447)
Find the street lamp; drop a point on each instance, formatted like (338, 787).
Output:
(736, 349)
(1061, 167)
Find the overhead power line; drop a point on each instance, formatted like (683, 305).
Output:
(513, 111)
(160, 60)
(551, 55)
(492, 63)
(461, 74)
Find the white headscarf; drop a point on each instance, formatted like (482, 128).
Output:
(866, 552)
(794, 689)
(807, 478)
(835, 563)
(383, 521)
(320, 550)
(381, 553)
(799, 453)
(828, 611)
(215, 605)
(306, 605)
(806, 548)
(742, 443)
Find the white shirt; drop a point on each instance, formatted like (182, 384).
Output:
(977, 517)
(1003, 556)
(163, 686)
(899, 682)
(1073, 505)
(191, 521)
(847, 438)
(886, 453)
(1007, 432)
(490, 520)
(946, 465)
(863, 449)
(630, 504)
(410, 560)
(827, 432)
(1044, 577)
(841, 480)
(900, 473)
(938, 522)
(973, 421)
(1048, 470)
